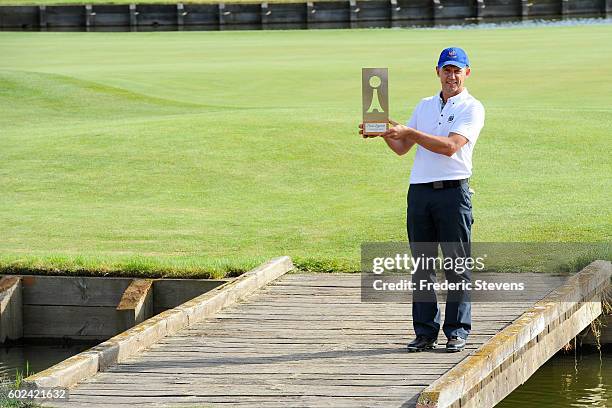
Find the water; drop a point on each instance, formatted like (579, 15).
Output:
(564, 381)
(37, 356)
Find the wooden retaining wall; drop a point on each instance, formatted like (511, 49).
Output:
(349, 13)
(87, 308)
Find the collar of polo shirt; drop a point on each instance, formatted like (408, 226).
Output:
(457, 97)
(453, 99)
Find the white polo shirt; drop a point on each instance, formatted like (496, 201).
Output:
(462, 114)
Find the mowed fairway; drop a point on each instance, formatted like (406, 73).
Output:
(197, 152)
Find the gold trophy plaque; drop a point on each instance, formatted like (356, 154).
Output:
(375, 99)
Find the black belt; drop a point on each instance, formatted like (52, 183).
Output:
(436, 185)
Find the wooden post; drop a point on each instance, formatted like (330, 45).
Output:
(180, 15)
(353, 15)
(480, 5)
(564, 8)
(133, 17)
(42, 17)
(136, 304)
(265, 12)
(222, 14)
(90, 17)
(436, 5)
(395, 8)
(525, 8)
(11, 311)
(310, 10)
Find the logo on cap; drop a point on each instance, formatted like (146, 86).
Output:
(452, 54)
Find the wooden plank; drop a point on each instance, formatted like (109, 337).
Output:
(11, 313)
(169, 293)
(298, 378)
(349, 318)
(393, 358)
(353, 301)
(258, 332)
(287, 345)
(73, 291)
(136, 304)
(262, 342)
(173, 400)
(263, 348)
(401, 312)
(156, 380)
(236, 364)
(231, 390)
(129, 376)
(237, 371)
(219, 342)
(353, 316)
(354, 321)
(397, 352)
(78, 322)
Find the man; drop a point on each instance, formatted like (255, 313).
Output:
(445, 128)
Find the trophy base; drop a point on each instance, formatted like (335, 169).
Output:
(375, 128)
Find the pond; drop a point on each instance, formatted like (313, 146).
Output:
(36, 356)
(581, 380)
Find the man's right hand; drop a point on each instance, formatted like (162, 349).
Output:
(397, 131)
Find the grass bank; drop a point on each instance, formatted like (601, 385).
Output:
(205, 153)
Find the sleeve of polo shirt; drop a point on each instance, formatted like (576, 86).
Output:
(469, 123)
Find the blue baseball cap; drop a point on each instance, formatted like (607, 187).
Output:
(453, 56)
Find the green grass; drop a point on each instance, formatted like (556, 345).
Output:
(7, 399)
(196, 153)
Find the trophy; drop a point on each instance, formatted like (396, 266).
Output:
(375, 98)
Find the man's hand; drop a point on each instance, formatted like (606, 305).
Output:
(397, 131)
(365, 136)
(397, 138)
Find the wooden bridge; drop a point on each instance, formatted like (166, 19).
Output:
(307, 340)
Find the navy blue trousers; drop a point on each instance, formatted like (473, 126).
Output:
(444, 217)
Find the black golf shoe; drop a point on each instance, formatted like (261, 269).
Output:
(422, 343)
(455, 344)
